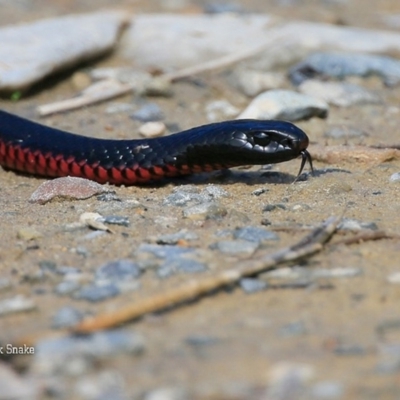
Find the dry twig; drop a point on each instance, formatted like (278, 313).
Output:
(309, 245)
(114, 88)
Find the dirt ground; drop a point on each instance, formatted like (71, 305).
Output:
(344, 329)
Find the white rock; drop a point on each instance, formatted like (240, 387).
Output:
(176, 41)
(172, 42)
(394, 277)
(31, 51)
(284, 104)
(152, 129)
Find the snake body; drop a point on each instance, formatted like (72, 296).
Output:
(33, 148)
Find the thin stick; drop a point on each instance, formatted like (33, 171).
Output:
(366, 236)
(309, 245)
(103, 90)
(229, 59)
(90, 96)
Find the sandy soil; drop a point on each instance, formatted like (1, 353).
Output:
(343, 328)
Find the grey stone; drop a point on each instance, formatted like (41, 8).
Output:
(254, 234)
(95, 293)
(118, 270)
(116, 220)
(204, 211)
(395, 177)
(174, 238)
(148, 112)
(164, 251)
(182, 264)
(66, 317)
(252, 285)
(67, 287)
(340, 65)
(235, 247)
(355, 225)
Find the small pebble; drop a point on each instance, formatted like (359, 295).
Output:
(254, 234)
(273, 207)
(339, 272)
(204, 211)
(118, 270)
(167, 393)
(201, 340)
(67, 188)
(80, 80)
(394, 277)
(220, 109)
(285, 104)
(174, 238)
(191, 194)
(183, 195)
(152, 129)
(355, 225)
(214, 191)
(93, 220)
(148, 113)
(170, 266)
(66, 317)
(28, 234)
(235, 247)
(287, 379)
(116, 220)
(114, 108)
(94, 293)
(259, 192)
(5, 284)
(18, 303)
(163, 251)
(349, 350)
(107, 197)
(158, 86)
(252, 285)
(395, 177)
(67, 287)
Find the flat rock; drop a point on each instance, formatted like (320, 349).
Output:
(29, 52)
(176, 41)
(285, 104)
(67, 188)
(171, 42)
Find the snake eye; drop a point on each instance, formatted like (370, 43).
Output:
(262, 139)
